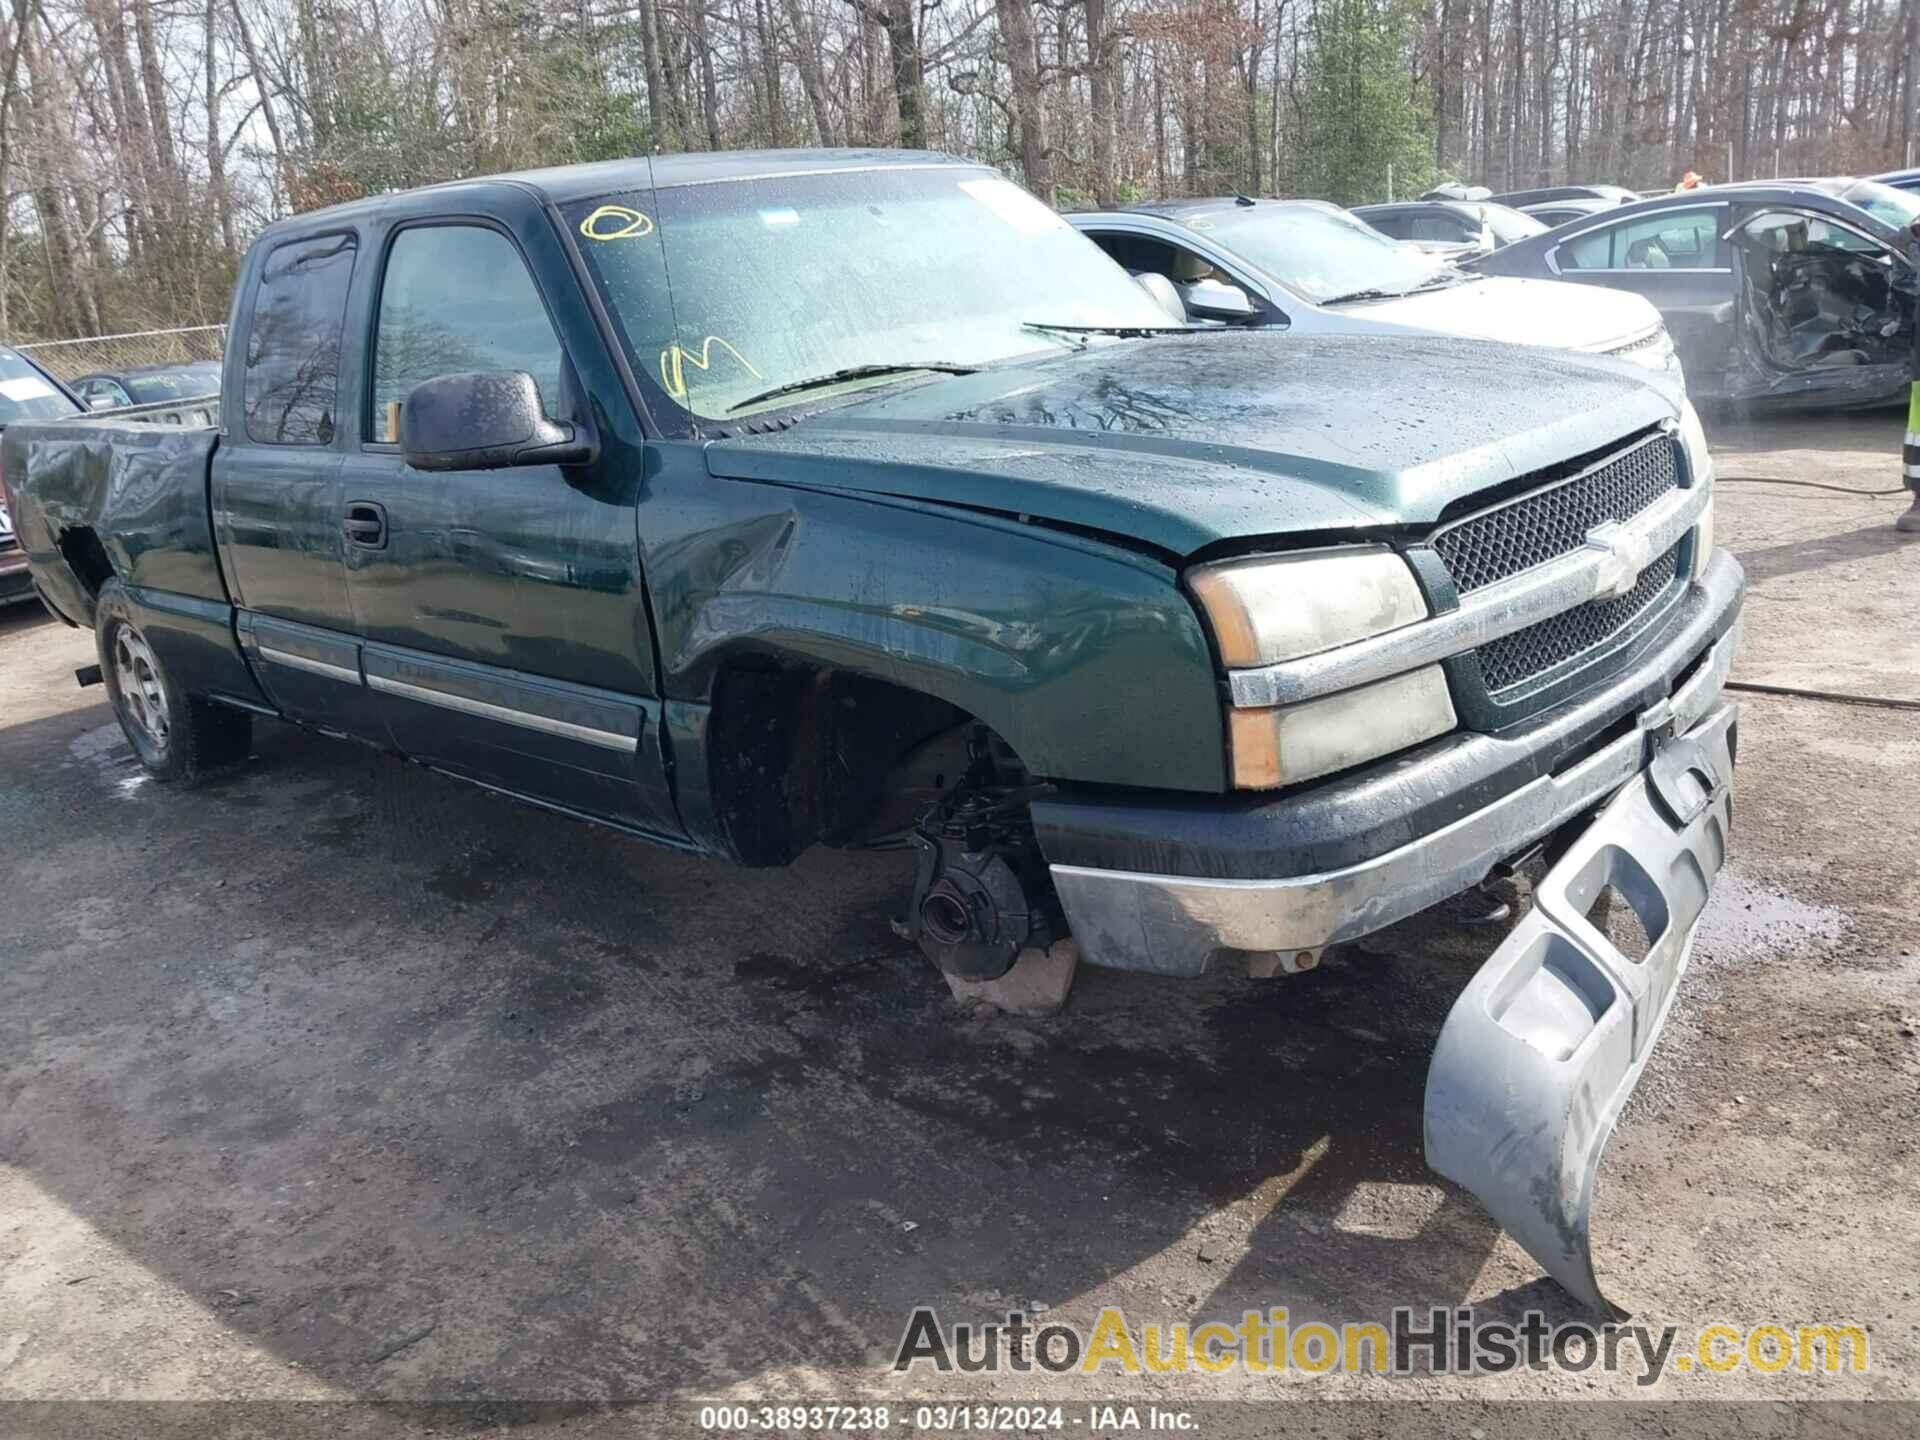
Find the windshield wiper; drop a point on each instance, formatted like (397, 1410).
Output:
(1445, 281)
(1369, 294)
(1125, 332)
(851, 372)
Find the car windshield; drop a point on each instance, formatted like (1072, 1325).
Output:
(1322, 253)
(184, 383)
(26, 394)
(1509, 225)
(828, 283)
(1886, 204)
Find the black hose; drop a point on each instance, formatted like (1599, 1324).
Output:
(1878, 702)
(1804, 484)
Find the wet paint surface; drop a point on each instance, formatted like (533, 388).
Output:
(1186, 441)
(1086, 658)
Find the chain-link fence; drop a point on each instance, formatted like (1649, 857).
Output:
(115, 354)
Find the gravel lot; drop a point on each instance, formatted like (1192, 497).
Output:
(335, 1079)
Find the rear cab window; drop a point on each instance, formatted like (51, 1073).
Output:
(291, 392)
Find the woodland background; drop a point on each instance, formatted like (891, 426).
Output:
(143, 142)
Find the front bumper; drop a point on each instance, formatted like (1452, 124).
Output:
(1389, 842)
(1543, 1047)
(1545, 1044)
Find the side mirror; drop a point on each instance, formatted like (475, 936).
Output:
(1217, 300)
(484, 420)
(100, 402)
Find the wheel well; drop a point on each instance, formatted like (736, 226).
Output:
(86, 557)
(804, 755)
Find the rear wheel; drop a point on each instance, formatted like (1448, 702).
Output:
(177, 736)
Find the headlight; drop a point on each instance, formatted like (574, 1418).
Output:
(1273, 608)
(1652, 351)
(1699, 457)
(1700, 463)
(1290, 743)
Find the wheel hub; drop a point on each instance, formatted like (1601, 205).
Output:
(142, 699)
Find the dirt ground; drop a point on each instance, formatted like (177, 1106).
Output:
(335, 1079)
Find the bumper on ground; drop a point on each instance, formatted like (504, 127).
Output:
(1543, 1047)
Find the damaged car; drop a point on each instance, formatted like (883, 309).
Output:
(1798, 293)
(26, 393)
(750, 502)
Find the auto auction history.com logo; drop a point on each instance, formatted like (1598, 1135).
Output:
(1439, 1340)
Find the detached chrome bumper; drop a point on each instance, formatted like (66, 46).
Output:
(1543, 1047)
(1175, 924)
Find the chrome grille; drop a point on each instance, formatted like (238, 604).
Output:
(1514, 658)
(1554, 521)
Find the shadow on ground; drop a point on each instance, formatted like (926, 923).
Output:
(436, 1096)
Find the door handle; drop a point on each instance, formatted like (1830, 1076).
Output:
(365, 525)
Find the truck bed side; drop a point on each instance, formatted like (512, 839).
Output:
(100, 500)
(128, 496)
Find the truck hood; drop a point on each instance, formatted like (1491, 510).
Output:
(1522, 312)
(1184, 441)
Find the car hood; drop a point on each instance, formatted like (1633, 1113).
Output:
(1522, 312)
(1185, 441)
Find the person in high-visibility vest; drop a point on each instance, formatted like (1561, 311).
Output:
(1909, 523)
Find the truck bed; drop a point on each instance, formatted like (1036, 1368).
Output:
(96, 498)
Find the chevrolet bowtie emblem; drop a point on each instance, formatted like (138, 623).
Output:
(1623, 556)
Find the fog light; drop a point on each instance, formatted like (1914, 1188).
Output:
(1286, 744)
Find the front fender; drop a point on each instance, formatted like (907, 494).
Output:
(1084, 657)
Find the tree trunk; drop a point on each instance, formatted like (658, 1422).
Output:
(813, 79)
(656, 80)
(1016, 29)
(1100, 101)
(222, 203)
(284, 170)
(709, 83)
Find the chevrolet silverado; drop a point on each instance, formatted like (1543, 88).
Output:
(749, 502)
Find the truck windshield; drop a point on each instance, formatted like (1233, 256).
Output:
(828, 284)
(26, 394)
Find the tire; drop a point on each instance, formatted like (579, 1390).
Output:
(178, 737)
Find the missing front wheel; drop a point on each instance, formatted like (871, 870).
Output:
(981, 890)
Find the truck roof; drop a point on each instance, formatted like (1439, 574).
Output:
(560, 184)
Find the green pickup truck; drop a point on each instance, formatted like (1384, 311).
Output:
(749, 502)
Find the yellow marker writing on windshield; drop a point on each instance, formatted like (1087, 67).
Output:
(616, 222)
(675, 359)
